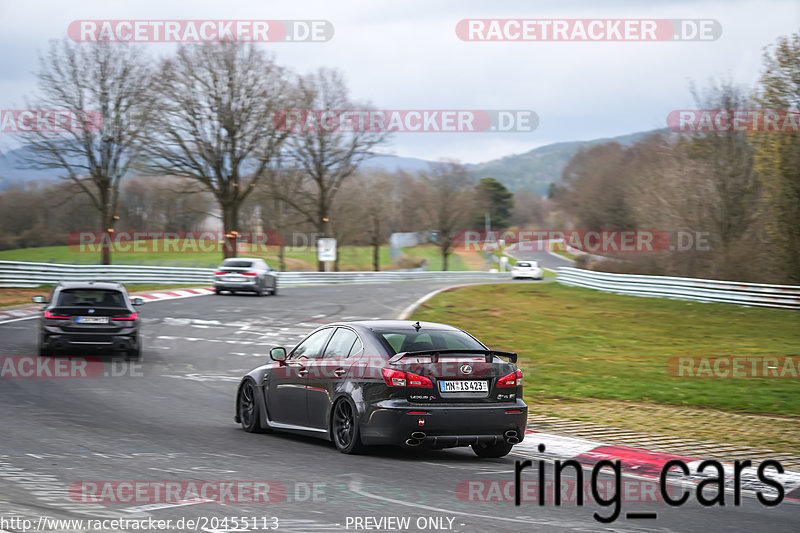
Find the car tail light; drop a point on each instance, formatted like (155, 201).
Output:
(249, 274)
(132, 316)
(512, 380)
(398, 378)
(218, 272)
(418, 381)
(394, 378)
(48, 314)
(129, 318)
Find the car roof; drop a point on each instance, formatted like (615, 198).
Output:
(378, 325)
(91, 285)
(243, 259)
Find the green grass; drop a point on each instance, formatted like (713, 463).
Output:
(351, 257)
(579, 344)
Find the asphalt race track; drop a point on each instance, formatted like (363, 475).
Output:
(170, 418)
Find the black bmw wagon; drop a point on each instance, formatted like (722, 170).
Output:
(96, 315)
(389, 382)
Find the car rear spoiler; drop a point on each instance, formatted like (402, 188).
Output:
(435, 354)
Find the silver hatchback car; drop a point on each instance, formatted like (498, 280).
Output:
(245, 274)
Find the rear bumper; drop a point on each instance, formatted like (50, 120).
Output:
(86, 341)
(530, 275)
(249, 285)
(443, 426)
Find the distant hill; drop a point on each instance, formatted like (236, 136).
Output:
(537, 169)
(534, 170)
(393, 163)
(10, 171)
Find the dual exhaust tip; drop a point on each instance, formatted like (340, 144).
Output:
(416, 438)
(511, 437)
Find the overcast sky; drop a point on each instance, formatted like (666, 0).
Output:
(406, 55)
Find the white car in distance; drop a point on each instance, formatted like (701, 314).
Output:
(527, 269)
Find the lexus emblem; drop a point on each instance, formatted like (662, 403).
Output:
(466, 369)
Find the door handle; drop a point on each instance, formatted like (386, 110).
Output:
(303, 372)
(339, 372)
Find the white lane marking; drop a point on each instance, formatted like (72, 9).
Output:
(17, 319)
(204, 377)
(405, 313)
(157, 506)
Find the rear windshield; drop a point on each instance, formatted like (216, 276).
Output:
(412, 341)
(238, 264)
(523, 264)
(91, 298)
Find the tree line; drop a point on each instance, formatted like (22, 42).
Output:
(741, 189)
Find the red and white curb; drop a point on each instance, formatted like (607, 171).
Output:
(174, 294)
(644, 464)
(27, 313)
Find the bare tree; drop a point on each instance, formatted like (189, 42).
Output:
(214, 121)
(104, 87)
(728, 161)
(449, 202)
(325, 157)
(365, 211)
(777, 159)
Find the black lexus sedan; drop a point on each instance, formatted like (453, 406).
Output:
(389, 382)
(89, 315)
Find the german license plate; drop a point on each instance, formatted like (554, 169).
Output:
(464, 386)
(92, 319)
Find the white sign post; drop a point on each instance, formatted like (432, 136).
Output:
(326, 251)
(503, 263)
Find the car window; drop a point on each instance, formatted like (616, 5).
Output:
(523, 264)
(434, 340)
(356, 348)
(91, 298)
(341, 343)
(237, 264)
(312, 346)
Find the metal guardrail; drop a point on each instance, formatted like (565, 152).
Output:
(24, 274)
(701, 290)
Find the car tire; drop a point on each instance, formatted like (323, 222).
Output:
(260, 290)
(43, 352)
(274, 291)
(345, 431)
(217, 291)
(136, 353)
(249, 410)
(499, 449)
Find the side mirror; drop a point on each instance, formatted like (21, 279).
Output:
(137, 301)
(39, 299)
(278, 354)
